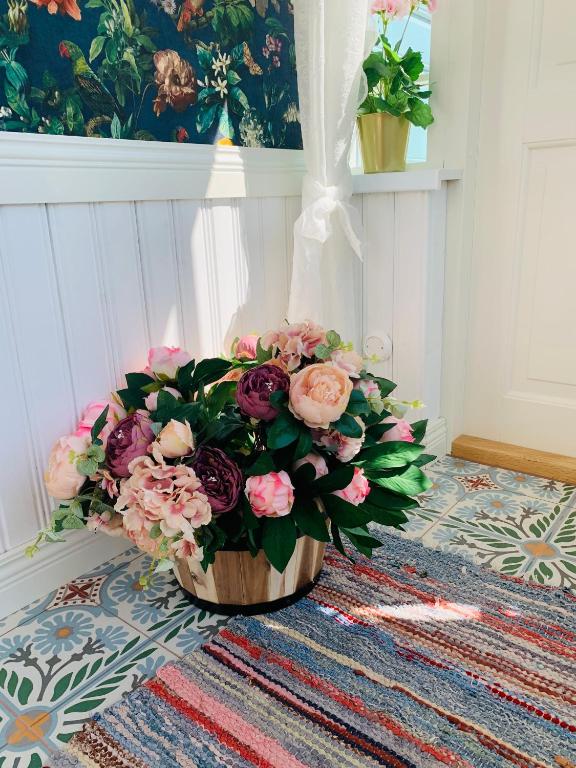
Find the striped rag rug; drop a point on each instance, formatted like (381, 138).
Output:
(415, 658)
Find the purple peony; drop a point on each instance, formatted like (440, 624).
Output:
(255, 388)
(128, 440)
(221, 478)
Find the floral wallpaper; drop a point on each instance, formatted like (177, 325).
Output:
(200, 71)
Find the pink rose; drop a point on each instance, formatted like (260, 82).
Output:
(345, 448)
(270, 495)
(319, 394)
(245, 348)
(174, 440)
(294, 341)
(62, 479)
(356, 492)
(369, 388)
(432, 5)
(165, 361)
(349, 361)
(151, 402)
(93, 410)
(317, 461)
(402, 431)
(186, 547)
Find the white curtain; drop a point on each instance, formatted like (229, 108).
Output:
(333, 37)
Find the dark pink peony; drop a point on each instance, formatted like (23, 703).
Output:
(255, 388)
(128, 440)
(221, 478)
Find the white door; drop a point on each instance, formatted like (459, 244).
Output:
(521, 366)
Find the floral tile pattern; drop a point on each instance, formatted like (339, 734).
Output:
(83, 646)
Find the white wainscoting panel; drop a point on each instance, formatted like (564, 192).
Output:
(86, 288)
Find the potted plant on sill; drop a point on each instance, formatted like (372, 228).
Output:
(395, 98)
(236, 472)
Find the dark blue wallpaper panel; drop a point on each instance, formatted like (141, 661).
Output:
(199, 71)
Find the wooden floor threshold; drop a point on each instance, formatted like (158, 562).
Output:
(526, 460)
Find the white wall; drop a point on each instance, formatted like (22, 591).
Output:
(87, 288)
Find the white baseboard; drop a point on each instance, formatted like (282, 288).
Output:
(436, 440)
(23, 580)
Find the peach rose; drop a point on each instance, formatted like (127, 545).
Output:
(402, 431)
(319, 394)
(317, 461)
(357, 490)
(151, 402)
(175, 440)
(62, 479)
(165, 361)
(270, 495)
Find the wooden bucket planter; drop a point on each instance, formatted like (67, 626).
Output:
(238, 583)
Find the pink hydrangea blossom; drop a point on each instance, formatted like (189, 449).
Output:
(358, 489)
(345, 448)
(110, 523)
(91, 413)
(165, 361)
(270, 495)
(402, 430)
(317, 461)
(294, 341)
(160, 493)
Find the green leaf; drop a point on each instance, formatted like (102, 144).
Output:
(116, 127)
(84, 706)
(410, 482)
(96, 47)
(388, 500)
(310, 520)
(345, 514)
(385, 385)
(206, 116)
(98, 425)
(208, 371)
(347, 426)
(394, 453)
(412, 64)
(204, 57)
(12, 683)
(61, 686)
(283, 431)
(24, 690)
(333, 339)
(322, 352)
(184, 377)
(71, 522)
(233, 77)
(419, 430)
(420, 113)
(222, 394)
(279, 540)
(138, 381)
(261, 466)
(262, 355)
(358, 405)
(334, 481)
(337, 540)
(363, 542)
(87, 466)
(304, 445)
(155, 531)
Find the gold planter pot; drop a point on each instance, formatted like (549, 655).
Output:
(238, 583)
(383, 141)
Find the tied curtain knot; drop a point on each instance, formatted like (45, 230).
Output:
(320, 202)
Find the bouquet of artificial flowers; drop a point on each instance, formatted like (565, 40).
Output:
(290, 436)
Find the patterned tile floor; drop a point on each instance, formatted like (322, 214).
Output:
(73, 653)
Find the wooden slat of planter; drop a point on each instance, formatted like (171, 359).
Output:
(253, 578)
(306, 562)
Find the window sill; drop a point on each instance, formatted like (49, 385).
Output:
(413, 180)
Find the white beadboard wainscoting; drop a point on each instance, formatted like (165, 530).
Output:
(86, 288)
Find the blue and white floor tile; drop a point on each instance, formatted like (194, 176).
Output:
(83, 646)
